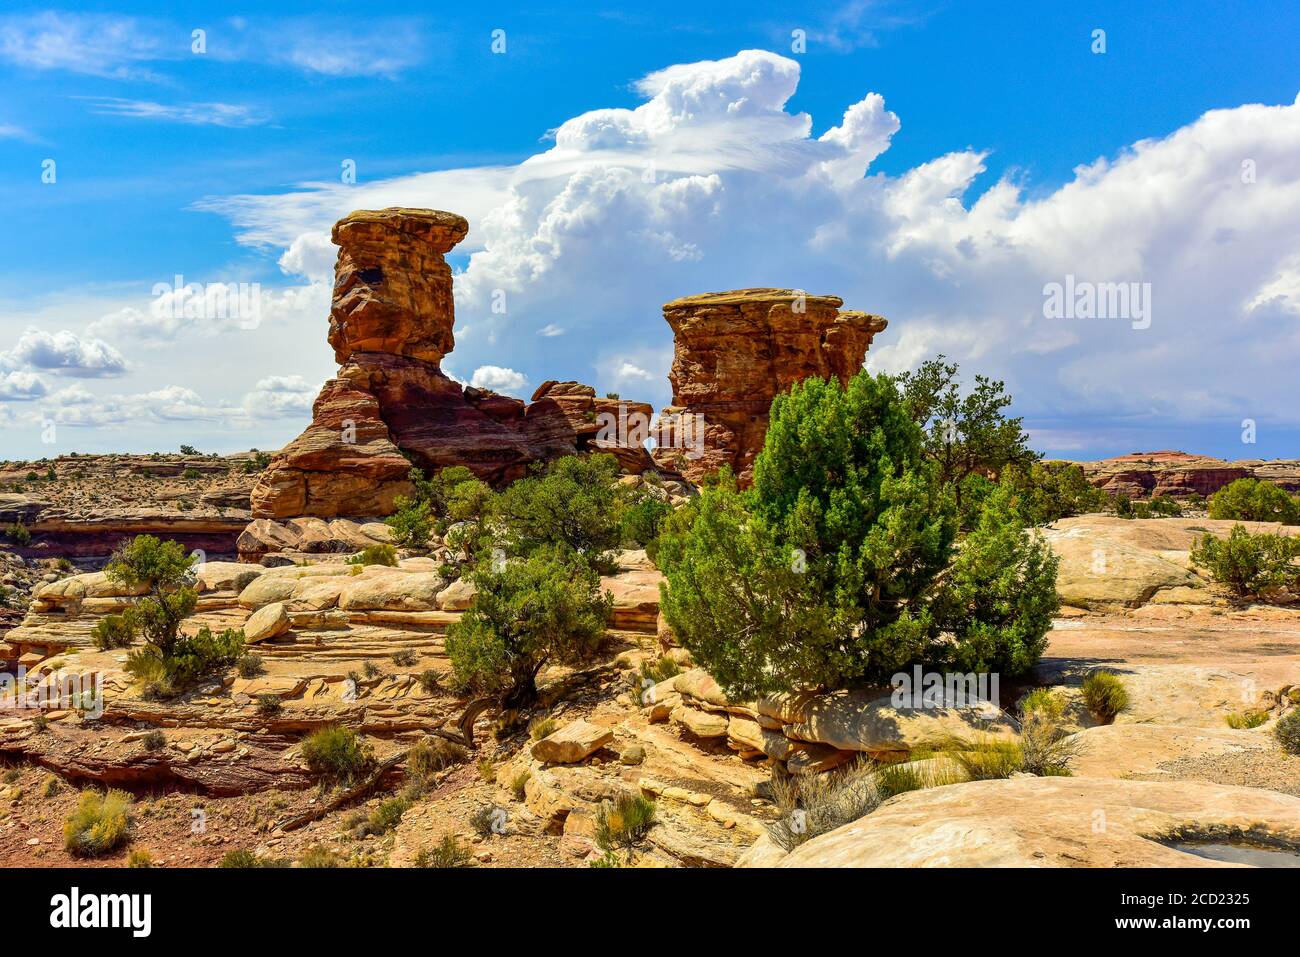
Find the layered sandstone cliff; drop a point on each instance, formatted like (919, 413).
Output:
(391, 406)
(1140, 474)
(734, 352)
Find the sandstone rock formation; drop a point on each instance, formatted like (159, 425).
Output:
(1049, 822)
(735, 351)
(391, 405)
(1179, 473)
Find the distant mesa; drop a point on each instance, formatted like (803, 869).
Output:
(1177, 474)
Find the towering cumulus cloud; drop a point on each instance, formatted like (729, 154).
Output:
(713, 183)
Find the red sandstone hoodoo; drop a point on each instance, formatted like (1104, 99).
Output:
(390, 325)
(734, 352)
(391, 405)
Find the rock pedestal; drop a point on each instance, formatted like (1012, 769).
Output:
(735, 352)
(391, 406)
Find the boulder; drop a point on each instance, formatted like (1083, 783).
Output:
(866, 720)
(702, 724)
(457, 596)
(572, 743)
(269, 621)
(391, 590)
(1054, 822)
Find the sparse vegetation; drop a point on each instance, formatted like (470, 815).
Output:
(405, 658)
(317, 857)
(249, 666)
(1249, 564)
(100, 824)
(542, 727)
(18, 534)
(838, 567)
(1043, 701)
(987, 757)
(154, 741)
(1287, 731)
(815, 804)
(545, 608)
(245, 859)
(432, 755)
(1105, 695)
(385, 817)
(375, 555)
(1046, 749)
(446, 853)
(336, 754)
(269, 705)
(429, 681)
(139, 857)
(484, 820)
(623, 823)
(1244, 720)
(1252, 500)
(519, 784)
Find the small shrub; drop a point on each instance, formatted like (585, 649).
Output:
(1043, 701)
(1046, 750)
(484, 821)
(542, 727)
(317, 857)
(518, 784)
(988, 758)
(660, 670)
(1247, 563)
(386, 817)
(1287, 731)
(50, 786)
(1250, 500)
(446, 853)
(405, 658)
(100, 823)
(246, 859)
(336, 754)
(895, 779)
(1246, 719)
(487, 771)
(40, 723)
(249, 666)
(429, 681)
(815, 804)
(19, 535)
(269, 705)
(372, 670)
(433, 755)
(154, 741)
(139, 858)
(1105, 695)
(623, 823)
(641, 522)
(375, 555)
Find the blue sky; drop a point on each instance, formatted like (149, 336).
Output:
(224, 166)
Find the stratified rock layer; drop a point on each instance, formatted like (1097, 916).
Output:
(391, 405)
(1140, 474)
(735, 352)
